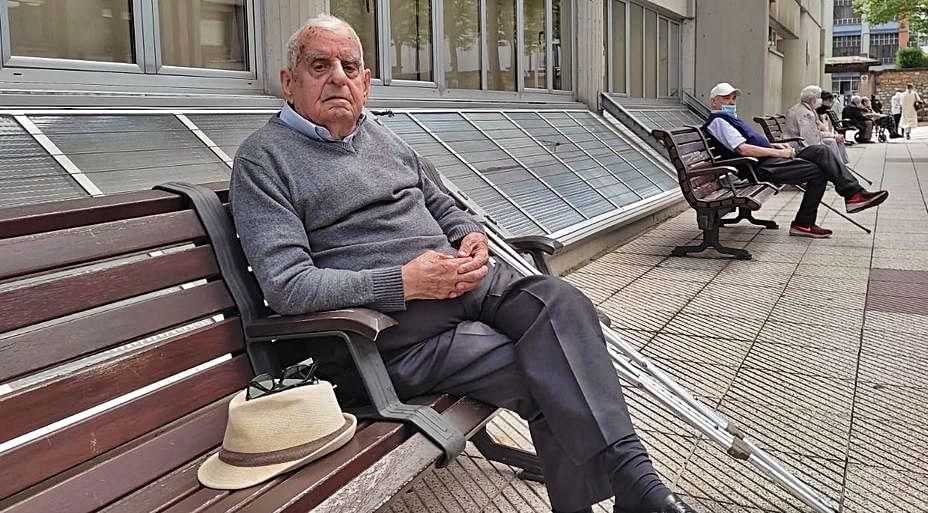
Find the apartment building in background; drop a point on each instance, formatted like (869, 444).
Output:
(852, 35)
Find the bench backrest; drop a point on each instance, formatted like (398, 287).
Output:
(689, 150)
(773, 126)
(98, 298)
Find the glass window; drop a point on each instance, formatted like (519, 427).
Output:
(411, 39)
(663, 56)
(534, 64)
(673, 60)
(617, 64)
(636, 51)
(89, 30)
(501, 46)
(204, 34)
(562, 41)
(650, 54)
(462, 44)
(362, 16)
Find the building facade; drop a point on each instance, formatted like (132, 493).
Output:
(851, 35)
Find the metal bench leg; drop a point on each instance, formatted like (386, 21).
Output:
(710, 239)
(747, 214)
(495, 451)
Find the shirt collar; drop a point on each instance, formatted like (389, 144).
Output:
(306, 127)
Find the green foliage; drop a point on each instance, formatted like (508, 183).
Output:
(911, 57)
(884, 11)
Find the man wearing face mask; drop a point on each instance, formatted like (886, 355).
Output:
(804, 120)
(813, 165)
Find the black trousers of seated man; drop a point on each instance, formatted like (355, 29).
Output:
(532, 345)
(814, 166)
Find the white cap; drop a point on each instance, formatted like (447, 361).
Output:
(723, 89)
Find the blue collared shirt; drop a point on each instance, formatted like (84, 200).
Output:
(306, 127)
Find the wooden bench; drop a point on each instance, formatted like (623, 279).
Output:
(711, 187)
(101, 297)
(773, 128)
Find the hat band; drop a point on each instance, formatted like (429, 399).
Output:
(261, 459)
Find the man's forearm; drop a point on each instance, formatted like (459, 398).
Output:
(749, 150)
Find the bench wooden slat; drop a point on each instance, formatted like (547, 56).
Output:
(60, 215)
(66, 447)
(162, 493)
(72, 393)
(48, 346)
(112, 478)
(45, 300)
(42, 251)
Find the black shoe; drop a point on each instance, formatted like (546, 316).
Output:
(670, 504)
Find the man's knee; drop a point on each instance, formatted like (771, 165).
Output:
(550, 288)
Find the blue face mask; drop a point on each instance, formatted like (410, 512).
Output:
(730, 109)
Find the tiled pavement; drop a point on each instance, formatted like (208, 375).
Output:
(818, 348)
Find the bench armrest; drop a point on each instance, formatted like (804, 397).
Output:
(363, 321)
(541, 243)
(715, 170)
(789, 140)
(736, 161)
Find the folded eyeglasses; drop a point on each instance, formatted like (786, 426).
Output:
(303, 373)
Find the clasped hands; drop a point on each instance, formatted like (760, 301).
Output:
(434, 275)
(786, 151)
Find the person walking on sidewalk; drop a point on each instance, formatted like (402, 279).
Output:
(814, 165)
(911, 102)
(895, 108)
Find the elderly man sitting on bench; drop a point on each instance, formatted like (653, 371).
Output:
(334, 211)
(813, 165)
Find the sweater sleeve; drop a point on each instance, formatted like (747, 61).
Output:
(455, 222)
(277, 247)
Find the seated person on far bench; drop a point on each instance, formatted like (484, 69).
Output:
(858, 117)
(802, 120)
(815, 165)
(335, 211)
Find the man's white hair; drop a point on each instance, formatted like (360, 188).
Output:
(810, 93)
(855, 100)
(320, 22)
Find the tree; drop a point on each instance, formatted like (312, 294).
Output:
(884, 11)
(911, 57)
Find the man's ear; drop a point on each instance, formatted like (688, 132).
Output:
(286, 80)
(367, 83)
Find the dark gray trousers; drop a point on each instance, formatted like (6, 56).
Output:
(529, 344)
(814, 166)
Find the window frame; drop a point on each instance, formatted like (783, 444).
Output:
(663, 90)
(147, 55)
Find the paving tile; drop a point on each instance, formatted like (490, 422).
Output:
(705, 381)
(645, 249)
(896, 322)
(852, 251)
(752, 267)
(818, 315)
(710, 264)
(706, 350)
(669, 287)
(631, 259)
(851, 286)
(776, 331)
(828, 396)
(881, 342)
(714, 326)
(637, 338)
(832, 271)
(648, 414)
(770, 280)
(672, 274)
(909, 370)
(703, 505)
(795, 359)
(662, 302)
(636, 318)
(776, 256)
(872, 489)
(708, 305)
(824, 475)
(901, 263)
(837, 260)
(878, 402)
(822, 298)
(889, 445)
(668, 452)
(583, 281)
(779, 247)
(794, 430)
(615, 273)
(739, 292)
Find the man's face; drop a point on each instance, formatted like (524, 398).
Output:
(828, 103)
(329, 86)
(730, 99)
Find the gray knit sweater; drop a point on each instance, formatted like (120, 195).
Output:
(328, 225)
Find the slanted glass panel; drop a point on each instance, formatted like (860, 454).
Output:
(650, 54)
(411, 39)
(228, 130)
(462, 44)
(617, 63)
(89, 30)
(451, 167)
(563, 165)
(128, 153)
(534, 63)
(636, 50)
(27, 173)
(501, 45)
(562, 42)
(203, 34)
(362, 16)
(527, 191)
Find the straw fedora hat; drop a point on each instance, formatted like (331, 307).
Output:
(274, 433)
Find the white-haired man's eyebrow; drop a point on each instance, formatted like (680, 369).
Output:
(314, 56)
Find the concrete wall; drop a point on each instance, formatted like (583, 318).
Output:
(785, 15)
(773, 76)
(731, 42)
(802, 61)
(678, 8)
(281, 19)
(591, 55)
(884, 83)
